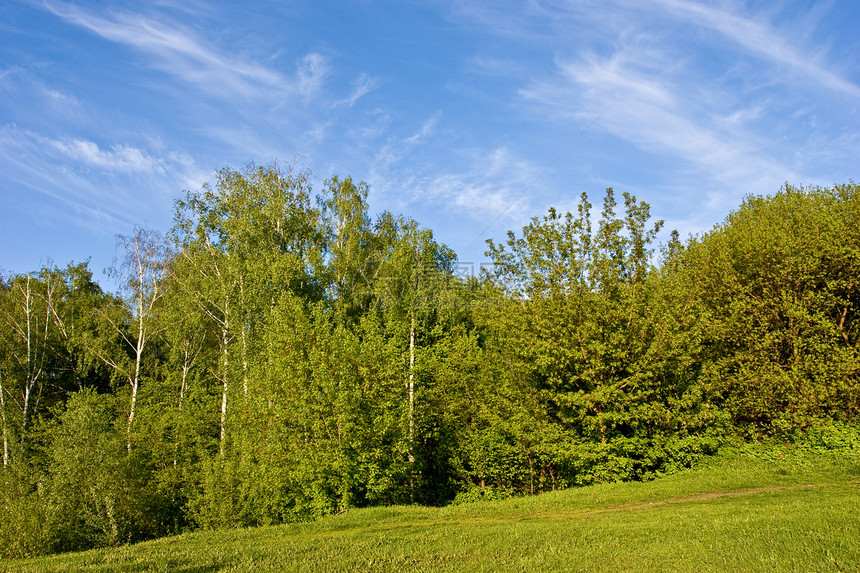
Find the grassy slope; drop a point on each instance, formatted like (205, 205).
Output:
(770, 510)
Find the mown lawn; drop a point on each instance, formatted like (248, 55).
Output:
(763, 509)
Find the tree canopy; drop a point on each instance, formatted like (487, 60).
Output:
(281, 354)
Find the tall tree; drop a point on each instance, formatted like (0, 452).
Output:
(31, 345)
(576, 325)
(349, 245)
(777, 292)
(242, 241)
(412, 272)
(140, 270)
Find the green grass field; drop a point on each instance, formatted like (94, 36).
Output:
(762, 509)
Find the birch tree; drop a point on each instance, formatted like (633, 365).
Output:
(30, 348)
(243, 240)
(140, 270)
(412, 272)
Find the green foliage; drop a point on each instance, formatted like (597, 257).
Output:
(291, 358)
(46, 324)
(100, 493)
(477, 494)
(590, 332)
(832, 437)
(334, 404)
(25, 515)
(776, 291)
(739, 514)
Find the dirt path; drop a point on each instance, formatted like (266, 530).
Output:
(585, 512)
(573, 513)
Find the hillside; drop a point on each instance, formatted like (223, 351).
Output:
(775, 508)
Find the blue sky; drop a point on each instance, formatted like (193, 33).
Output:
(457, 114)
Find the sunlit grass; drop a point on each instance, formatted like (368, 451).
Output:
(774, 509)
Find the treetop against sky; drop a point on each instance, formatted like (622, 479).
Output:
(471, 118)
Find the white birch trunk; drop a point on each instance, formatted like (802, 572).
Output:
(224, 378)
(411, 388)
(244, 341)
(29, 384)
(5, 433)
(244, 364)
(135, 383)
(141, 292)
(34, 371)
(142, 270)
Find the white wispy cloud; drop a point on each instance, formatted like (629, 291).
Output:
(30, 161)
(726, 121)
(28, 98)
(664, 117)
(397, 148)
(493, 185)
(61, 99)
(311, 74)
(135, 183)
(762, 40)
(641, 65)
(318, 132)
(426, 130)
(360, 88)
(373, 126)
(179, 51)
(120, 157)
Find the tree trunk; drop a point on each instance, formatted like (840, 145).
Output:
(3, 413)
(135, 383)
(411, 388)
(34, 371)
(243, 302)
(224, 379)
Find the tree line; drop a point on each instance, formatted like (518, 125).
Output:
(282, 355)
